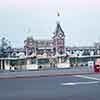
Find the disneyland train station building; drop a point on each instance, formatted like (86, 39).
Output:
(37, 54)
(45, 54)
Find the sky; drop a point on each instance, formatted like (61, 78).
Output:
(80, 20)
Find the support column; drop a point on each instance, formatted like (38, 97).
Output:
(7, 65)
(1, 64)
(60, 60)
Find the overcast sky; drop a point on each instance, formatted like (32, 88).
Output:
(80, 20)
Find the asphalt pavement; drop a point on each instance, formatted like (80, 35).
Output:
(75, 87)
(46, 73)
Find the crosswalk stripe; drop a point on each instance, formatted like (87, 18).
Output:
(87, 77)
(79, 83)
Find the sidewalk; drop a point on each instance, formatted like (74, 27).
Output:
(46, 73)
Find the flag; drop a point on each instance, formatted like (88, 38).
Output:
(58, 14)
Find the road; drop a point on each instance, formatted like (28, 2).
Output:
(76, 87)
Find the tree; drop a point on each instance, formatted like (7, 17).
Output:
(5, 47)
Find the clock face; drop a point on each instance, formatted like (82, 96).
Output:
(60, 35)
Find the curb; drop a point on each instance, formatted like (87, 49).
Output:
(49, 75)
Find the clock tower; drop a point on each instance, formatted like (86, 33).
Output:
(59, 39)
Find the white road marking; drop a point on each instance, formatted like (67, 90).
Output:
(87, 77)
(78, 83)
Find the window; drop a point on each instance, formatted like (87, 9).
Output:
(43, 61)
(33, 61)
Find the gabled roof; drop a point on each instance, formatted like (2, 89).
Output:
(58, 29)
